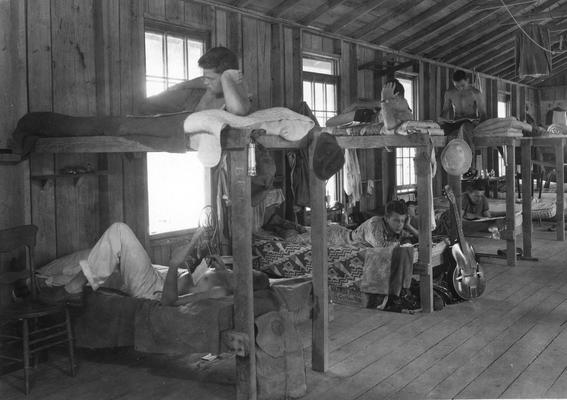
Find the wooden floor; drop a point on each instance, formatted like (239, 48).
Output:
(510, 343)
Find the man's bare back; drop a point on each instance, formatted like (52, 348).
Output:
(466, 103)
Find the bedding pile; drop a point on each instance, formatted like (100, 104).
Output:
(507, 127)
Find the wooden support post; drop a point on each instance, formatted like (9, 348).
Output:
(527, 197)
(320, 339)
(425, 196)
(241, 222)
(559, 216)
(510, 204)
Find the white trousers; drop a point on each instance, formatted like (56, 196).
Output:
(119, 249)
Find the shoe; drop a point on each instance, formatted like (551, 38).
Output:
(408, 300)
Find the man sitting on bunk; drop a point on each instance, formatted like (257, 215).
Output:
(395, 108)
(463, 108)
(220, 87)
(119, 251)
(387, 274)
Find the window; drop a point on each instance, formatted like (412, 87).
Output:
(177, 183)
(320, 83)
(503, 112)
(405, 170)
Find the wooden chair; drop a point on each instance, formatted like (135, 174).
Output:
(41, 326)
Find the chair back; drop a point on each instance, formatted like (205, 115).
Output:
(16, 238)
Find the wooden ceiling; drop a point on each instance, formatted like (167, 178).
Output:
(474, 34)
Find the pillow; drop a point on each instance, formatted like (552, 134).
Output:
(61, 270)
(205, 128)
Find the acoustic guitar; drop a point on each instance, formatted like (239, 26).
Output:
(468, 277)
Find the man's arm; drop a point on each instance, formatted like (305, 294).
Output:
(447, 106)
(408, 227)
(234, 91)
(170, 292)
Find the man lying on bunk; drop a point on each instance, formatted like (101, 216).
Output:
(118, 250)
(475, 203)
(220, 87)
(387, 274)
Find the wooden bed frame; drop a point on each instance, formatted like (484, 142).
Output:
(236, 143)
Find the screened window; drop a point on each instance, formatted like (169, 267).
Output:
(177, 183)
(503, 112)
(320, 87)
(405, 169)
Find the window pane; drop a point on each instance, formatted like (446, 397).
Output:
(195, 50)
(408, 91)
(154, 86)
(331, 101)
(176, 191)
(154, 54)
(326, 67)
(319, 97)
(307, 95)
(502, 109)
(175, 65)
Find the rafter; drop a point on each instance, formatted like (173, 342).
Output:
(282, 7)
(537, 17)
(241, 3)
(501, 63)
(418, 20)
(322, 9)
(401, 8)
(486, 55)
(491, 63)
(432, 28)
(560, 27)
(354, 15)
(494, 4)
(484, 35)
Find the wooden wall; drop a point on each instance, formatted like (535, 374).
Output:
(553, 94)
(86, 57)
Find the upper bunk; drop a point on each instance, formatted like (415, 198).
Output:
(231, 139)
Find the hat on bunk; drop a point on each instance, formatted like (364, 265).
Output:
(456, 157)
(328, 157)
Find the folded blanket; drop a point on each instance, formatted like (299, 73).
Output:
(410, 127)
(205, 128)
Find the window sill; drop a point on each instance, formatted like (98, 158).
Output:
(171, 237)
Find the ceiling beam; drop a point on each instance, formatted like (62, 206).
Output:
(484, 36)
(524, 19)
(479, 58)
(438, 25)
(493, 4)
(460, 31)
(502, 63)
(343, 21)
(491, 63)
(418, 20)
(282, 8)
(557, 27)
(401, 8)
(241, 3)
(322, 9)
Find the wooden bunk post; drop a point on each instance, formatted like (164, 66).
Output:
(424, 194)
(559, 161)
(527, 196)
(241, 222)
(510, 204)
(320, 332)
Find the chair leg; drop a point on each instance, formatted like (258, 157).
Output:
(70, 341)
(26, 344)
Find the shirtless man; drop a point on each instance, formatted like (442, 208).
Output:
(220, 87)
(463, 100)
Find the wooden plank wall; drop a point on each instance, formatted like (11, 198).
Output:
(86, 57)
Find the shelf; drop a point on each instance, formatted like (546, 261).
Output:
(76, 177)
(9, 158)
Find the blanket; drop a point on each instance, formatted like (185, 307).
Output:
(205, 128)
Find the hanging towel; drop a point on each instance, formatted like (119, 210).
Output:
(351, 170)
(531, 59)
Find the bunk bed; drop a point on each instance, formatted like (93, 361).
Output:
(235, 142)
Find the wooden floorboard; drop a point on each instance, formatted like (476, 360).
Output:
(509, 343)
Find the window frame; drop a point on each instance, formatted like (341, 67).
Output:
(333, 79)
(161, 28)
(403, 189)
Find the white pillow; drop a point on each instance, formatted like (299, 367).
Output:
(61, 270)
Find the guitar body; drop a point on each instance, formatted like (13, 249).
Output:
(468, 277)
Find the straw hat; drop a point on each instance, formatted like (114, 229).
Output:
(456, 157)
